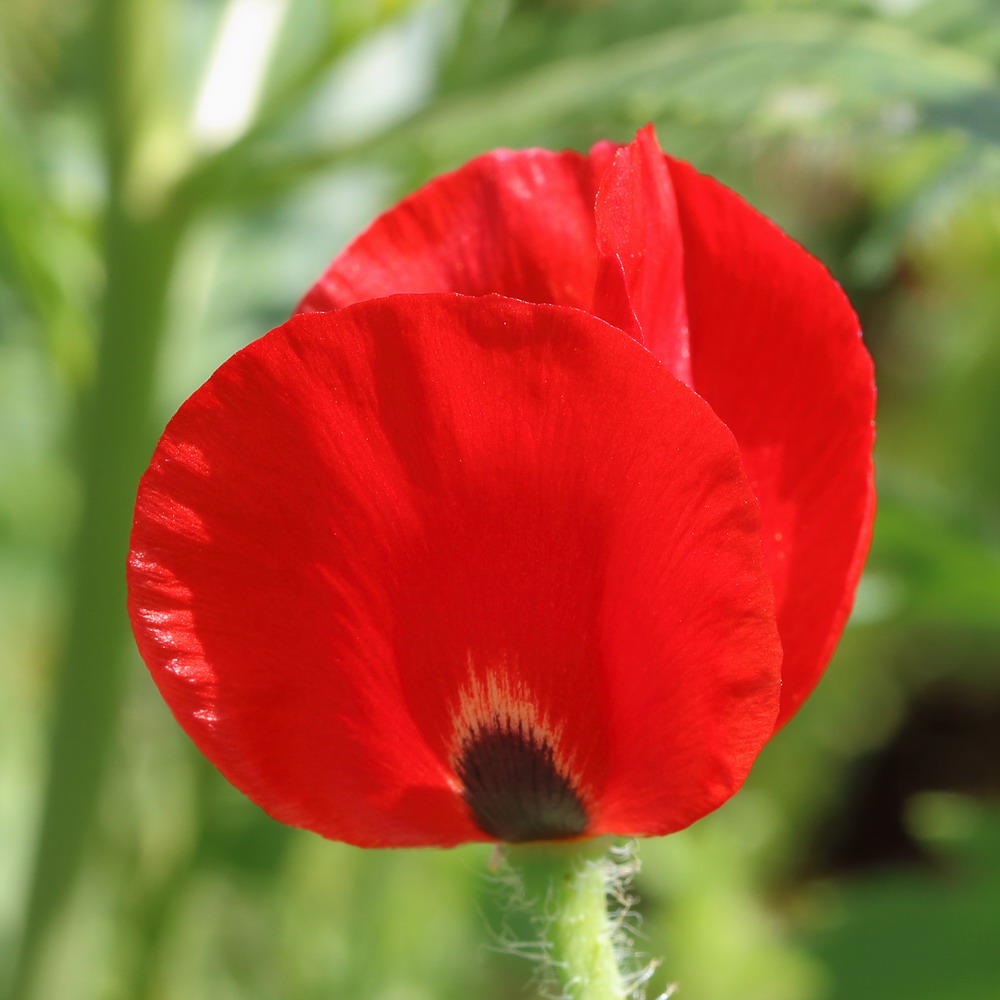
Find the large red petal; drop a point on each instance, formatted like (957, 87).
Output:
(777, 352)
(376, 527)
(636, 239)
(519, 224)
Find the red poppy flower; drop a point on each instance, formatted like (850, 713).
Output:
(522, 529)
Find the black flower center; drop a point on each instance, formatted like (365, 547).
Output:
(514, 787)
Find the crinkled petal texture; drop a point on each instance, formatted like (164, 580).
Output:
(430, 569)
(731, 306)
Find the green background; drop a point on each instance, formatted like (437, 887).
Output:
(142, 241)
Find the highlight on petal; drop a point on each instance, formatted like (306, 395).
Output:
(410, 573)
(776, 351)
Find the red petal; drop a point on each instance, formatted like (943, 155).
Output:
(522, 224)
(776, 351)
(375, 526)
(637, 225)
(519, 224)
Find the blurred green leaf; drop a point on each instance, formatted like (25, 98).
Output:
(946, 567)
(767, 73)
(39, 251)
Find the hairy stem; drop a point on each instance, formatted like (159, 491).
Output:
(567, 884)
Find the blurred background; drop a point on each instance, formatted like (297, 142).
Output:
(175, 173)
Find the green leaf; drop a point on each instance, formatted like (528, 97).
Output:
(750, 74)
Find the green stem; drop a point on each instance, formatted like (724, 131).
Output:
(567, 885)
(114, 443)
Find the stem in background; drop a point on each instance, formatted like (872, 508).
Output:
(567, 885)
(113, 441)
(115, 444)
